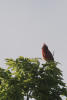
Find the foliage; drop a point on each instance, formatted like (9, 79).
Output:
(28, 77)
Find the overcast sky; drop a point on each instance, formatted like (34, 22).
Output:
(26, 24)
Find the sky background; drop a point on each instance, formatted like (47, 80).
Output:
(26, 24)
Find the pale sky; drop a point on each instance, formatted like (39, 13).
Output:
(26, 24)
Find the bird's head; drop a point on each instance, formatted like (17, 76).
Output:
(44, 47)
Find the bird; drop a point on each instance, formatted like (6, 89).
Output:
(46, 53)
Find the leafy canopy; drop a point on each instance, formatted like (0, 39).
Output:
(27, 77)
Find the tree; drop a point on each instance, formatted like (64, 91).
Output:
(27, 77)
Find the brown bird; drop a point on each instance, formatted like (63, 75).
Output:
(47, 55)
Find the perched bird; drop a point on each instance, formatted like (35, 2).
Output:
(47, 55)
